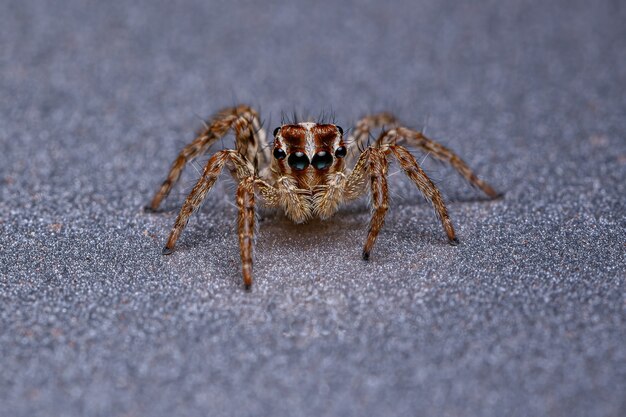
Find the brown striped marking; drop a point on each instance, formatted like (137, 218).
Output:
(294, 136)
(325, 137)
(245, 226)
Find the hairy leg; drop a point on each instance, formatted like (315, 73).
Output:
(377, 169)
(248, 136)
(245, 227)
(360, 136)
(400, 135)
(372, 164)
(426, 186)
(211, 172)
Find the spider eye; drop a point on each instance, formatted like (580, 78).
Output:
(279, 153)
(341, 152)
(276, 131)
(298, 161)
(322, 160)
(339, 129)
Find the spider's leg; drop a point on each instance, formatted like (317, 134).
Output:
(245, 226)
(415, 138)
(249, 138)
(360, 135)
(426, 186)
(377, 168)
(249, 135)
(210, 174)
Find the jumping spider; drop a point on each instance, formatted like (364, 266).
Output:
(306, 173)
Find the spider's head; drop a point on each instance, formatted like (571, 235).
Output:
(304, 146)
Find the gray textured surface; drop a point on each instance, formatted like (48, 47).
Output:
(525, 318)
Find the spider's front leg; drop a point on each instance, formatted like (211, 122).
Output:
(373, 164)
(243, 172)
(377, 168)
(245, 227)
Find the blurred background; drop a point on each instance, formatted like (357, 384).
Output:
(525, 317)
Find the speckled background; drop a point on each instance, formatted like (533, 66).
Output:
(525, 318)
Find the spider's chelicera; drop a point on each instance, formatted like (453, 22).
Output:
(307, 172)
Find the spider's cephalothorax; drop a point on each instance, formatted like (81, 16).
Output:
(306, 172)
(309, 157)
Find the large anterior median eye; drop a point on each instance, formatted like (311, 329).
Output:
(298, 161)
(322, 160)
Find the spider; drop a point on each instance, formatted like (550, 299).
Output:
(307, 172)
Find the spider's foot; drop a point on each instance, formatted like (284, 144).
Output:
(493, 194)
(150, 209)
(365, 255)
(167, 251)
(247, 287)
(496, 195)
(453, 241)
